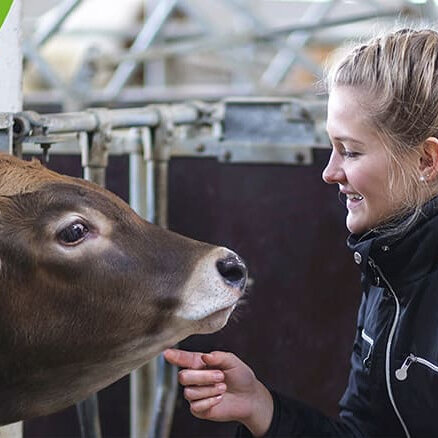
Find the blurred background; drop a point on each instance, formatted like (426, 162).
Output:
(86, 52)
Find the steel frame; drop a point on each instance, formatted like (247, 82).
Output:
(286, 48)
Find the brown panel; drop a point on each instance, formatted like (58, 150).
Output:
(296, 325)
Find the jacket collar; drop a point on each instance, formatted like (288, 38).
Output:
(402, 258)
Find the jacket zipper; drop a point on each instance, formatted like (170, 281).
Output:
(388, 348)
(402, 372)
(370, 341)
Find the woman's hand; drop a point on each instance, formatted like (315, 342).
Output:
(220, 387)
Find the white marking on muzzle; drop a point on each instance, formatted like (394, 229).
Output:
(206, 291)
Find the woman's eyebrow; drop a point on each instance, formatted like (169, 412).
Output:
(347, 139)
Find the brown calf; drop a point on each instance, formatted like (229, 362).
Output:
(90, 291)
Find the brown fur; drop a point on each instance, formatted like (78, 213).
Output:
(75, 318)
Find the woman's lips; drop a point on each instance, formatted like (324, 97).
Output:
(353, 200)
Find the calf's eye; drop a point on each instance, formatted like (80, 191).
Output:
(73, 234)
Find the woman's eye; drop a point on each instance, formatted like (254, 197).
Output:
(349, 154)
(73, 234)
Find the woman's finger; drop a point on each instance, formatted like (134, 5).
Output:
(199, 407)
(200, 377)
(193, 393)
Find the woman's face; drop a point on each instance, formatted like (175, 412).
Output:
(359, 163)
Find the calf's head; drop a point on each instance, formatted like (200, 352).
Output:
(90, 291)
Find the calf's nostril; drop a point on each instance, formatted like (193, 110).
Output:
(233, 270)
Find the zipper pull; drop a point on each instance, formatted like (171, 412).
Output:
(402, 373)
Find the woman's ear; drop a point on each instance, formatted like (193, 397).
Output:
(429, 159)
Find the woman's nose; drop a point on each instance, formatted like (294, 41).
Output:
(333, 172)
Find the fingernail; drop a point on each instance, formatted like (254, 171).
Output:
(218, 377)
(221, 387)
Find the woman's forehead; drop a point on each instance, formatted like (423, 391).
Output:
(347, 119)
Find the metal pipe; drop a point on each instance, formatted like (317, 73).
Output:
(167, 381)
(141, 196)
(49, 25)
(142, 399)
(240, 38)
(287, 56)
(144, 39)
(90, 121)
(166, 393)
(88, 414)
(153, 387)
(94, 153)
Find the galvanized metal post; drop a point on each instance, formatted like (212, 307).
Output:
(142, 200)
(167, 381)
(10, 101)
(94, 150)
(153, 387)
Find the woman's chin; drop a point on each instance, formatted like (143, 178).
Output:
(355, 225)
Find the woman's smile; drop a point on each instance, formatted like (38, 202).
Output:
(354, 200)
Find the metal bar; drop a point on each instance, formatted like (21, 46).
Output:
(159, 94)
(51, 22)
(153, 387)
(142, 200)
(286, 57)
(50, 76)
(88, 414)
(257, 25)
(166, 393)
(166, 387)
(142, 399)
(91, 120)
(94, 153)
(143, 41)
(6, 137)
(241, 38)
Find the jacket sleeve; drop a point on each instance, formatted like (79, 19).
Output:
(292, 418)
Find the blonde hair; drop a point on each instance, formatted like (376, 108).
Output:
(398, 73)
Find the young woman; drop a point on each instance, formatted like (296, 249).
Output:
(383, 125)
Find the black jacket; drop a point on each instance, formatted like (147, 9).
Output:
(393, 384)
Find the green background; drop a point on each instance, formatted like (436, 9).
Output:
(5, 5)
